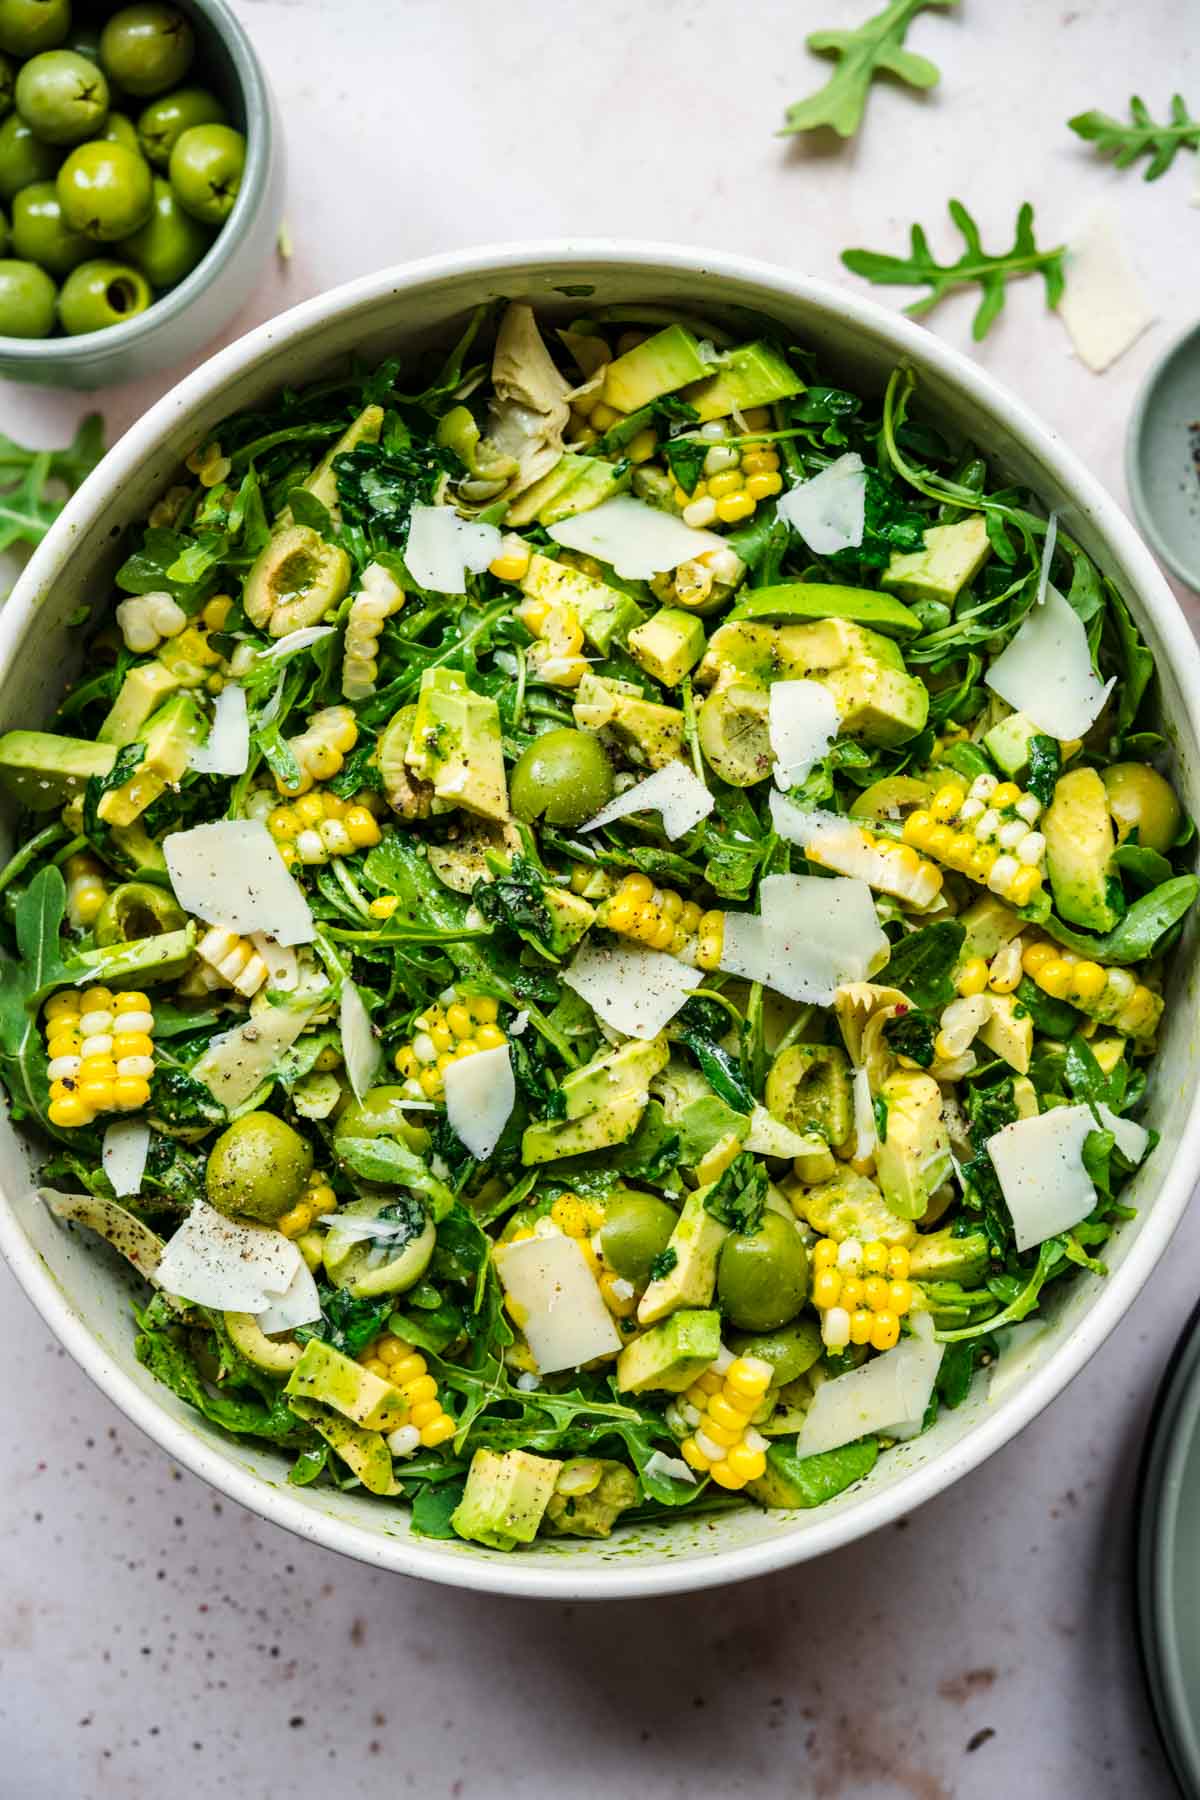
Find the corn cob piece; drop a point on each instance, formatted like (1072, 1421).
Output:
(454, 1027)
(147, 619)
(101, 1054)
(987, 834)
(86, 892)
(861, 1291)
(701, 582)
(891, 868)
(557, 654)
(234, 958)
(321, 749)
(377, 599)
(191, 658)
(209, 464)
(429, 1424)
(664, 920)
(319, 825)
(1110, 996)
(723, 1444)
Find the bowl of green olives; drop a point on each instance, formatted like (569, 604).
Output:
(141, 184)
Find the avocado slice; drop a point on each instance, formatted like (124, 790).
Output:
(651, 733)
(604, 1101)
(142, 853)
(594, 481)
(691, 1280)
(351, 1261)
(365, 1453)
(505, 1498)
(669, 645)
(792, 1481)
(1079, 849)
(603, 612)
(1008, 1032)
(169, 737)
(940, 1256)
(276, 1356)
(659, 365)
(784, 652)
(879, 704)
(142, 692)
(164, 957)
(952, 557)
(668, 1357)
(752, 375)
(456, 744)
(1008, 743)
(825, 600)
(323, 1374)
(543, 492)
(43, 770)
(989, 925)
(913, 1159)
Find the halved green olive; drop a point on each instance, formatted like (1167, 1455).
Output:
(296, 578)
(733, 731)
(809, 1089)
(1142, 800)
(137, 909)
(563, 777)
(389, 1263)
(892, 797)
(791, 1350)
(382, 1113)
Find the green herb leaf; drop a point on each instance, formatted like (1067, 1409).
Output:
(1045, 761)
(738, 1197)
(922, 964)
(911, 1034)
(38, 921)
(36, 484)
(976, 265)
(873, 48)
(1142, 930)
(1142, 136)
(386, 1160)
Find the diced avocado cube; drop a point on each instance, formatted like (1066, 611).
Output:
(597, 480)
(940, 1256)
(1079, 849)
(150, 959)
(456, 744)
(169, 736)
(143, 690)
(43, 770)
(953, 556)
(604, 1102)
(691, 1280)
(989, 925)
(668, 1357)
(1008, 1032)
(505, 1498)
(912, 1157)
(570, 914)
(651, 733)
(752, 375)
(1008, 743)
(881, 705)
(826, 600)
(603, 612)
(325, 1375)
(668, 645)
(792, 1481)
(631, 1065)
(786, 652)
(659, 365)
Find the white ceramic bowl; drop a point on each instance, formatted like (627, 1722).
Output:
(81, 1290)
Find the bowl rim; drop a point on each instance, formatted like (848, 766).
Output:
(63, 352)
(624, 1579)
(1135, 436)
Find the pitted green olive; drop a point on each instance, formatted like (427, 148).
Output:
(733, 731)
(382, 1113)
(1142, 800)
(389, 1263)
(563, 777)
(762, 1276)
(258, 1168)
(636, 1229)
(137, 909)
(296, 578)
(809, 1089)
(892, 797)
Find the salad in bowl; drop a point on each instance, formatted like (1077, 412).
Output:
(594, 925)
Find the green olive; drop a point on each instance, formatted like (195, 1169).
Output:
(38, 232)
(295, 578)
(762, 1277)
(733, 732)
(27, 297)
(7, 81)
(206, 171)
(105, 190)
(791, 1351)
(392, 1263)
(148, 48)
(166, 119)
(563, 777)
(119, 128)
(636, 1229)
(27, 26)
(170, 243)
(137, 909)
(383, 1112)
(892, 798)
(6, 236)
(1142, 800)
(23, 157)
(62, 96)
(258, 1168)
(99, 294)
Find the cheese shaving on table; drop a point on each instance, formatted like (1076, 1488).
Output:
(830, 511)
(634, 989)
(674, 792)
(637, 540)
(1104, 306)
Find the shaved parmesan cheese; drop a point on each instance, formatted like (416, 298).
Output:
(864, 1116)
(442, 547)
(634, 989)
(480, 1094)
(123, 1155)
(360, 1047)
(216, 1261)
(283, 971)
(554, 1294)
(294, 641)
(637, 540)
(299, 1304)
(519, 1024)
(238, 1061)
(1046, 671)
(802, 722)
(829, 511)
(1104, 305)
(672, 1467)
(227, 751)
(230, 873)
(674, 792)
(888, 1395)
(812, 936)
(1039, 1165)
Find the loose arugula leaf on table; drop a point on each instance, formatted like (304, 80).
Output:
(875, 47)
(28, 503)
(976, 265)
(1141, 136)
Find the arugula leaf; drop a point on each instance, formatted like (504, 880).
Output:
(1051, 1017)
(737, 1198)
(1085, 1078)
(432, 1506)
(702, 1023)
(1142, 136)
(1142, 930)
(346, 1323)
(922, 964)
(378, 487)
(911, 1034)
(1137, 668)
(1148, 868)
(890, 524)
(28, 503)
(386, 1160)
(1045, 761)
(162, 1348)
(874, 47)
(37, 919)
(991, 272)
(1050, 1255)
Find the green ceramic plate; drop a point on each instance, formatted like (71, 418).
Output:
(1169, 1562)
(1162, 457)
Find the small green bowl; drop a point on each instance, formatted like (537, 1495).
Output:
(190, 315)
(1162, 457)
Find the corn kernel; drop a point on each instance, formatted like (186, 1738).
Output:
(693, 1456)
(827, 1288)
(437, 1432)
(1088, 982)
(946, 802)
(875, 1257)
(824, 1253)
(972, 977)
(898, 1262)
(734, 507)
(747, 1464)
(860, 1326)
